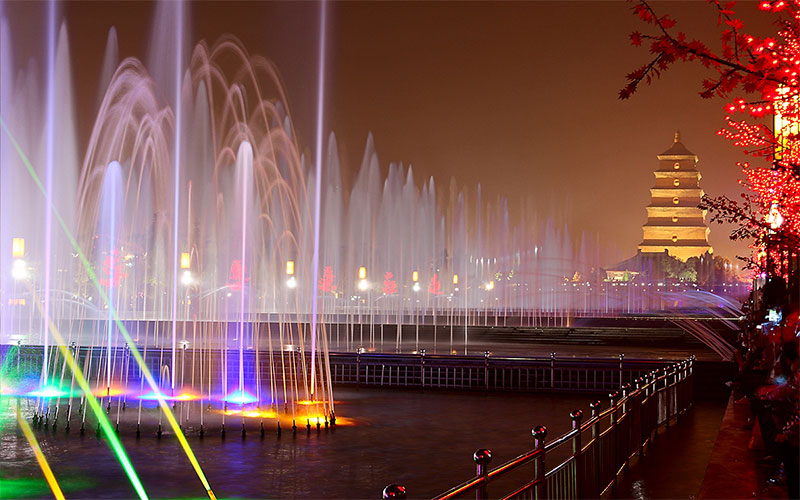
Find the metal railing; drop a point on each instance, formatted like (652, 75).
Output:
(598, 450)
(487, 372)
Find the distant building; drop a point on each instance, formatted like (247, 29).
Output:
(652, 267)
(675, 224)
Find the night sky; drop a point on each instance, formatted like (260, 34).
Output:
(520, 97)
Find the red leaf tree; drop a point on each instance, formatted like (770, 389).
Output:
(766, 71)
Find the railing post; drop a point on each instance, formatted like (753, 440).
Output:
(627, 413)
(394, 491)
(613, 445)
(482, 458)
(666, 393)
(690, 381)
(653, 410)
(358, 367)
(486, 355)
(621, 359)
(679, 388)
(638, 384)
(596, 490)
(552, 370)
(577, 452)
(422, 366)
(540, 489)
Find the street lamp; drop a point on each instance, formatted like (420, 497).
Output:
(19, 270)
(415, 279)
(455, 282)
(186, 277)
(186, 263)
(362, 279)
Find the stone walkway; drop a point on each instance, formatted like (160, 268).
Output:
(734, 470)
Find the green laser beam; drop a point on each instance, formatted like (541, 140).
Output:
(133, 349)
(102, 419)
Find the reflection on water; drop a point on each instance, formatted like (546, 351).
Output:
(424, 440)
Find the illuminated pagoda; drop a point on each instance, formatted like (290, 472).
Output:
(675, 224)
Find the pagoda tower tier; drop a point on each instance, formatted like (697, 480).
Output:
(674, 221)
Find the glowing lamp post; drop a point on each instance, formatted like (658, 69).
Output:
(362, 279)
(774, 217)
(19, 268)
(291, 282)
(489, 287)
(452, 312)
(415, 279)
(186, 263)
(186, 278)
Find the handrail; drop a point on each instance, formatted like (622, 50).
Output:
(633, 418)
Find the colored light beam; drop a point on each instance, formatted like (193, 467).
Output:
(48, 473)
(317, 185)
(240, 397)
(49, 391)
(123, 330)
(102, 419)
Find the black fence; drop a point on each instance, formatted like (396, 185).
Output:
(487, 372)
(598, 449)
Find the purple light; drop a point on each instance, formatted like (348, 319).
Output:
(152, 396)
(240, 397)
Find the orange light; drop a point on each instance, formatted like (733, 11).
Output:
(251, 413)
(103, 392)
(362, 273)
(289, 267)
(18, 248)
(186, 260)
(307, 402)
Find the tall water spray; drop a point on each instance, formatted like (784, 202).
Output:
(192, 198)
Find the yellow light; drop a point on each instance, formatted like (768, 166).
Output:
(774, 217)
(186, 277)
(290, 267)
(455, 279)
(18, 248)
(785, 125)
(362, 273)
(490, 285)
(186, 260)
(37, 451)
(19, 270)
(415, 276)
(104, 391)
